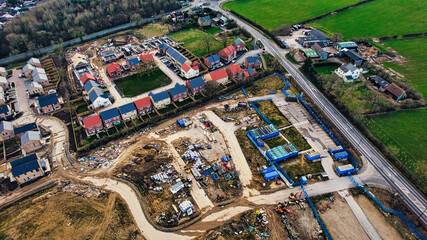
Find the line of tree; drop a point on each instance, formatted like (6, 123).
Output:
(55, 21)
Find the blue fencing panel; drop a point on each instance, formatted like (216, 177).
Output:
(259, 112)
(244, 92)
(316, 214)
(399, 214)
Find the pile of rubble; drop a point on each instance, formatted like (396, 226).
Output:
(83, 190)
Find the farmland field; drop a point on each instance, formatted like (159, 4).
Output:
(378, 18)
(415, 69)
(136, 84)
(195, 41)
(272, 13)
(404, 134)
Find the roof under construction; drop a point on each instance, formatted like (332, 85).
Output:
(282, 152)
(265, 132)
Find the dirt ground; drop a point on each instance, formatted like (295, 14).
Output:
(265, 86)
(377, 219)
(339, 219)
(298, 166)
(67, 212)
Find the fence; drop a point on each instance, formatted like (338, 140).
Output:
(299, 97)
(316, 214)
(376, 201)
(258, 111)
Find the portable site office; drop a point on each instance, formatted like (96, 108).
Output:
(263, 133)
(282, 152)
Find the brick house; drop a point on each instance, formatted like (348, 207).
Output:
(143, 105)
(195, 86)
(227, 54)
(49, 103)
(110, 117)
(128, 111)
(178, 93)
(250, 72)
(26, 169)
(160, 100)
(31, 141)
(234, 71)
(5, 112)
(35, 89)
(27, 70)
(162, 48)
(132, 63)
(253, 62)
(3, 72)
(93, 124)
(4, 83)
(86, 77)
(6, 130)
(220, 76)
(212, 61)
(42, 79)
(35, 62)
(114, 70)
(189, 71)
(239, 45)
(19, 131)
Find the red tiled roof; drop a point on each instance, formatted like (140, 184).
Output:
(185, 67)
(218, 74)
(231, 48)
(143, 102)
(113, 67)
(92, 121)
(86, 77)
(234, 68)
(146, 57)
(246, 74)
(395, 90)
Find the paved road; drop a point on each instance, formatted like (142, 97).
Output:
(416, 202)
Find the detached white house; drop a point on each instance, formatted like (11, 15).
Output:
(348, 72)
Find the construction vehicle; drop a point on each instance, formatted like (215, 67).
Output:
(281, 208)
(293, 196)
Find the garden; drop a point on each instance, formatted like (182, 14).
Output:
(142, 82)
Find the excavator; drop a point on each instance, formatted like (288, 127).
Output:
(293, 196)
(281, 208)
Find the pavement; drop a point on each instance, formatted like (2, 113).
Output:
(411, 197)
(360, 216)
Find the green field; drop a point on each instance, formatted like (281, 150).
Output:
(272, 13)
(195, 41)
(328, 69)
(415, 69)
(405, 135)
(136, 84)
(378, 18)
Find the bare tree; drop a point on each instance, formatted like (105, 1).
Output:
(208, 43)
(337, 37)
(224, 39)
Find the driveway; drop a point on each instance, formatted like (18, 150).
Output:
(20, 90)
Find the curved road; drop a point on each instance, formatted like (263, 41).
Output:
(415, 201)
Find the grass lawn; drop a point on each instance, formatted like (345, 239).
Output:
(290, 58)
(378, 18)
(275, 141)
(82, 109)
(213, 30)
(415, 69)
(166, 109)
(363, 92)
(295, 138)
(328, 69)
(136, 84)
(266, 85)
(272, 13)
(185, 102)
(194, 41)
(111, 130)
(154, 30)
(271, 112)
(404, 134)
(299, 166)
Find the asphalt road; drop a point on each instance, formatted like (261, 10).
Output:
(415, 201)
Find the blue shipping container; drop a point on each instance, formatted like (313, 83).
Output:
(266, 170)
(341, 155)
(345, 169)
(335, 149)
(180, 122)
(303, 180)
(313, 156)
(271, 175)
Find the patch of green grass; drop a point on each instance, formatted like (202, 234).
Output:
(378, 18)
(266, 85)
(269, 109)
(295, 138)
(415, 68)
(404, 134)
(166, 109)
(153, 30)
(363, 92)
(272, 13)
(111, 130)
(195, 41)
(275, 141)
(290, 58)
(82, 109)
(139, 83)
(213, 30)
(185, 102)
(249, 45)
(327, 69)
(299, 166)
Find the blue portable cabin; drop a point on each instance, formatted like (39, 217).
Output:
(313, 156)
(215, 177)
(345, 169)
(271, 175)
(263, 133)
(266, 170)
(341, 155)
(225, 159)
(336, 149)
(303, 179)
(282, 152)
(180, 122)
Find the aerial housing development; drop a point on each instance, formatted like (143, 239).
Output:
(212, 120)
